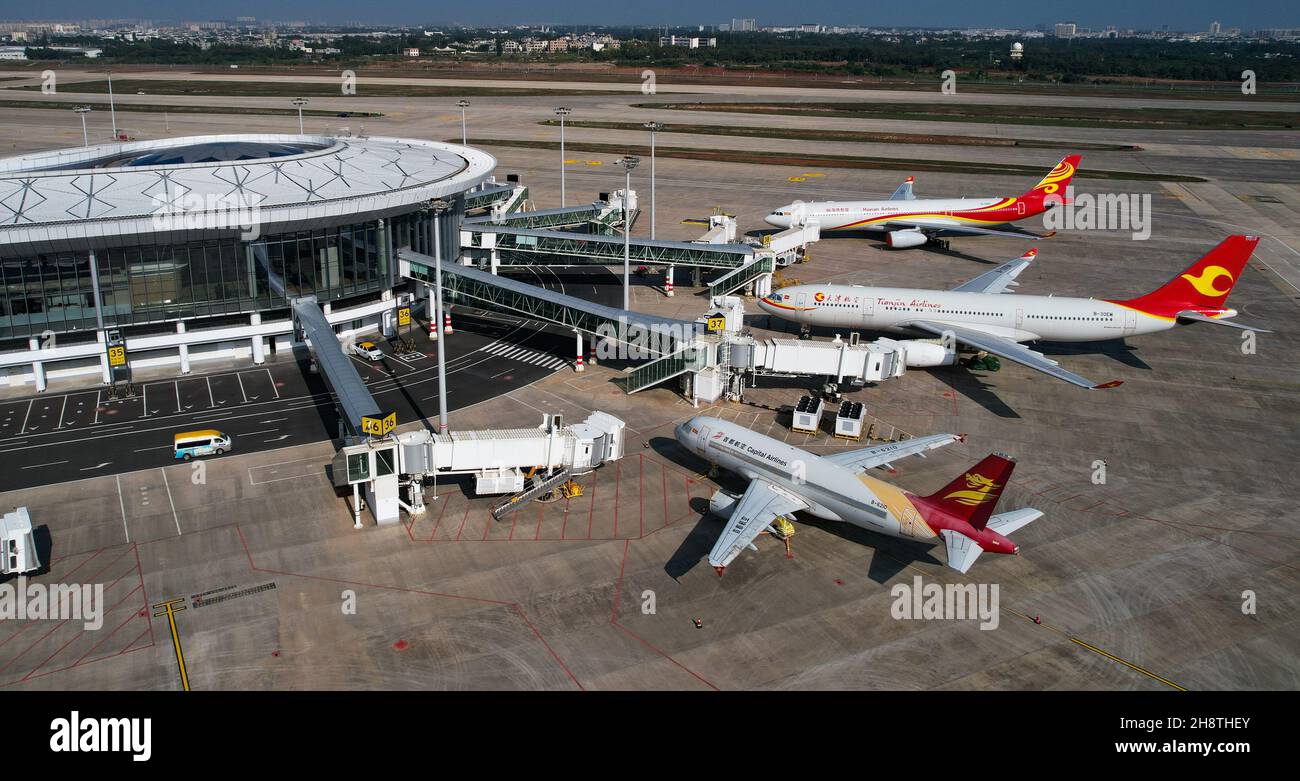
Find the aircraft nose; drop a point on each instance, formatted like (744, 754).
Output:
(777, 220)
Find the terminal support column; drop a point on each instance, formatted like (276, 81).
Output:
(38, 369)
(258, 358)
(99, 316)
(183, 350)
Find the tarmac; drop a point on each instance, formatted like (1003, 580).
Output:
(1175, 569)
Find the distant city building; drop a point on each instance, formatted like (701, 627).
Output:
(689, 43)
(411, 52)
(743, 25)
(1214, 28)
(1065, 29)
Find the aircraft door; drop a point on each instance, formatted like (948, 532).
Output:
(1130, 322)
(866, 309)
(907, 523)
(1020, 318)
(800, 299)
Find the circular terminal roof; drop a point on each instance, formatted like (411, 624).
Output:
(120, 190)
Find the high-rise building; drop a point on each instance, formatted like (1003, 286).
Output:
(1214, 28)
(1065, 29)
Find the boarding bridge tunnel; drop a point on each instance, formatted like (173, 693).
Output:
(652, 333)
(508, 236)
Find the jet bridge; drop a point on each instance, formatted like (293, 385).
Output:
(723, 361)
(600, 217)
(502, 461)
(658, 335)
(358, 407)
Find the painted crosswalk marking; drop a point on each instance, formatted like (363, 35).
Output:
(525, 355)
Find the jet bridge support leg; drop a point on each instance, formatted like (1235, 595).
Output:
(356, 505)
(578, 366)
(668, 283)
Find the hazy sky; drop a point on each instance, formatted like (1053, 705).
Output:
(1178, 14)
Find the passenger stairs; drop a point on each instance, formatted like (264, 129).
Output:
(524, 497)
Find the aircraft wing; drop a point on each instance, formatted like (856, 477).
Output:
(1005, 348)
(1000, 279)
(943, 226)
(962, 550)
(904, 191)
(880, 455)
(761, 503)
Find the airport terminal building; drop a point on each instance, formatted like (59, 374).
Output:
(191, 249)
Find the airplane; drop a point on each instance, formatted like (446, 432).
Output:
(910, 222)
(977, 315)
(784, 479)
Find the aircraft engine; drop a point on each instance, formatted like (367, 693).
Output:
(905, 238)
(921, 353)
(723, 503)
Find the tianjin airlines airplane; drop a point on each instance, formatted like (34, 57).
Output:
(909, 222)
(977, 315)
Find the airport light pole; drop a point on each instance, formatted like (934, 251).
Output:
(653, 127)
(85, 134)
(299, 102)
(439, 207)
(628, 163)
(562, 112)
(464, 137)
(112, 107)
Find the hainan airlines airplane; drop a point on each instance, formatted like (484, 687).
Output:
(977, 314)
(909, 222)
(784, 479)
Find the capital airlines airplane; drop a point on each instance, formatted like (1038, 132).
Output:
(784, 479)
(977, 315)
(909, 222)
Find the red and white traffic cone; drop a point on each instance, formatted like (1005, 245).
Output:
(591, 353)
(446, 322)
(433, 329)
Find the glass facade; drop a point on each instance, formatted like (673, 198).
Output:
(154, 283)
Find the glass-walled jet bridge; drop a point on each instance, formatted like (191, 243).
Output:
(656, 334)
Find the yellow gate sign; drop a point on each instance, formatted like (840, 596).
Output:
(379, 427)
(117, 355)
(717, 323)
(404, 316)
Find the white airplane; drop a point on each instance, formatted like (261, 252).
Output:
(976, 314)
(911, 222)
(784, 479)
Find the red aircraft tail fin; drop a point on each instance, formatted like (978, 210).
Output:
(972, 496)
(1204, 285)
(1054, 185)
